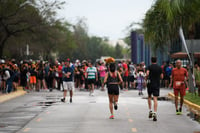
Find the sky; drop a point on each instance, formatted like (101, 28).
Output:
(106, 18)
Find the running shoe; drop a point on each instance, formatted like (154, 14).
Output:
(92, 94)
(154, 117)
(70, 100)
(180, 111)
(150, 114)
(177, 112)
(111, 117)
(115, 106)
(63, 100)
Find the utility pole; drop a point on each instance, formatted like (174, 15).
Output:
(27, 51)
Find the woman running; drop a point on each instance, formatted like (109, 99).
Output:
(113, 79)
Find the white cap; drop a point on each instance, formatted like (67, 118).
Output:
(2, 61)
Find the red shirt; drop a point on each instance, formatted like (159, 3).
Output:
(179, 76)
(60, 71)
(125, 66)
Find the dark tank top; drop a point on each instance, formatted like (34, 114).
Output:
(112, 79)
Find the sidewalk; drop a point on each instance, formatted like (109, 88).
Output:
(6, 97)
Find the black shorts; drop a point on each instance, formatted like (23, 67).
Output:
(91, 81)
(125, 78)
(166, 77)
(153, 90)
(131, 78)
(113, 89)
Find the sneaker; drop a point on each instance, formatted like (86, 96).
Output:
(180, 111)
(150, 114)
(70, 100)
(111, 117)
(154, 117)
(177, 112)
(63, 100)
(115, 106)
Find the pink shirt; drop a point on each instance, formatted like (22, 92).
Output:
(102, 71)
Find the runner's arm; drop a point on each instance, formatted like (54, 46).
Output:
(105, 79)
(120, 78)
(161, 75)
(147, 74)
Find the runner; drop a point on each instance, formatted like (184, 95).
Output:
(179, 78)
(68, 83)
(92, 77)
(154, 74)
(113, 79)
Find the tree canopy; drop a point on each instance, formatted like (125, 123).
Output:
(34, 23)
(164, 18)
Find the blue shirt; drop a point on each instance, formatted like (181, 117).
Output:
(65, 71)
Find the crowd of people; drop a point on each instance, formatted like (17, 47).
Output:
(85, 75)
(41, 75)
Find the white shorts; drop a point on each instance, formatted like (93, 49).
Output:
(68, 85)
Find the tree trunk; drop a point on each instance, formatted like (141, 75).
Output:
(2, 44)
(1, 51)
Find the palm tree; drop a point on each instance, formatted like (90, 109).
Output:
(164, 18)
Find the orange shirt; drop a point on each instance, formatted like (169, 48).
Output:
(179, 76)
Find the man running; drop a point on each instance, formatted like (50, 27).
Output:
(154, 74)
(68, 83)
(179, 78)
(91, 75)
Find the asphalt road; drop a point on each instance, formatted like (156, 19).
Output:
(42, 112)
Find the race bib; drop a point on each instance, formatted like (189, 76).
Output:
(178, 83)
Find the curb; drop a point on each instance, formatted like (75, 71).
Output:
(192, 106)
(12, 95)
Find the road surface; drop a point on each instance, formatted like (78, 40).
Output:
(42, 112)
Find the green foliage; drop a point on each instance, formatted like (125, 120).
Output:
(162, 21)
(194, 98)
(118, 51)
(34, 23)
